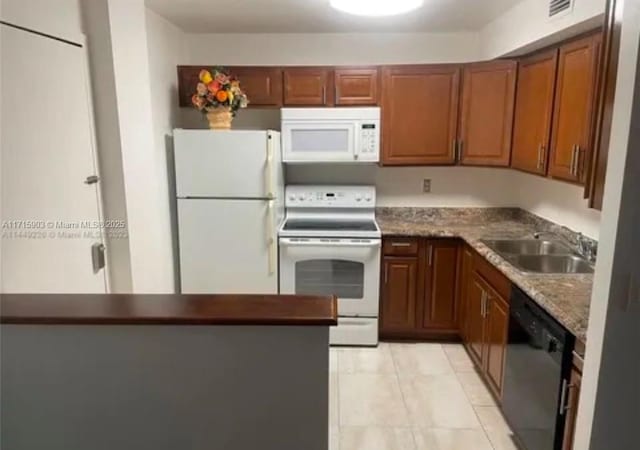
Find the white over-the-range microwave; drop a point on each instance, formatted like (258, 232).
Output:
(331, 135)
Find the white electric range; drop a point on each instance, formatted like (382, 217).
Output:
(330, 244)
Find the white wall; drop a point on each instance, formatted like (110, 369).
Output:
(166, 48)
(527, 26)
(122, 84)
(332, 48)
(556, 201)
(402, 186)
(608, 413)
(60, 18)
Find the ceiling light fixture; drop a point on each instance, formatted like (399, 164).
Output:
(376, 8)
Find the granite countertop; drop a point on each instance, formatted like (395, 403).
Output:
(564, 297)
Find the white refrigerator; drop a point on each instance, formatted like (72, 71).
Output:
(230, 190)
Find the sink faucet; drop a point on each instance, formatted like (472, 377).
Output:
(585, 247)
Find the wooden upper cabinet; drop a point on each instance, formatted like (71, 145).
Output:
(573, 109)
(399, 292)
(308, 86)
(486, 118)
(356, 86)
(263, 85)
(534, 109)
(441, 299)
(419, 114)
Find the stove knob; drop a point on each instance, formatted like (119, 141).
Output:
(368, 198)
(301, 197)
(292, 197)
(358, 198)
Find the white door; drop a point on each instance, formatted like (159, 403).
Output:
(228, 246)
(227, 164)
(47, 147)
(346, 268)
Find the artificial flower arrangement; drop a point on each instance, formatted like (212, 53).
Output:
(219, 95)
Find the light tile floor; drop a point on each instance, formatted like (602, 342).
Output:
(411, 397)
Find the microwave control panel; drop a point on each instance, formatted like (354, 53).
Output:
(368, 139)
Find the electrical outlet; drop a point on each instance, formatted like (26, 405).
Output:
(426, 185)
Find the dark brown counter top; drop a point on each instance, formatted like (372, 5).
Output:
(564, 297)
(152, 309)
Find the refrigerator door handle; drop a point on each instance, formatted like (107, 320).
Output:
(271, 239)
(269, 170)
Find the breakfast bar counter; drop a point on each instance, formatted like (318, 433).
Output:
(162, 372)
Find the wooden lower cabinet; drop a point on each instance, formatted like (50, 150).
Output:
(497, 324)
(474, 338)
(486, 319)
(419, 291)
(440, 306)
(575, 383)
(399, 292)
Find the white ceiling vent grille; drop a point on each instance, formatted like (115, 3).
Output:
(558, 6)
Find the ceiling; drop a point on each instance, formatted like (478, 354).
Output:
(316, 16)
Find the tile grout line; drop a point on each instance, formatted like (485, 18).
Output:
(404, 401)
(473, 407)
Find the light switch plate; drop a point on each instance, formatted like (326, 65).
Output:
(426, 185)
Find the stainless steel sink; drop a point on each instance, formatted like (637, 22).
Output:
(540, 256)
(551, 263)
(528, 247)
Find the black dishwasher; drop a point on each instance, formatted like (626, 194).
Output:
(538, 364)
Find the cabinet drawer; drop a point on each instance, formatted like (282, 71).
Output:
(400, 246)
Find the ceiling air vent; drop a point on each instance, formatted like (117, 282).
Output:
(558, 6)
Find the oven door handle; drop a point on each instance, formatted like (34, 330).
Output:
(320, 243)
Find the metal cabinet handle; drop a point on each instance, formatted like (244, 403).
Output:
(563, 398)
(540, 164)
(482, 303)
(430, 255)
(401, 244)
(460, 150)
(454, 147)
(572, 169)
(577, 162)
(324, 95)
(386, 273)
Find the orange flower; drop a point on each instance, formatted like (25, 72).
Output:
(214, 87)
(222, 96)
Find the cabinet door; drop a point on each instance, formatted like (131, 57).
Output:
(419, 114)
(497, 323)
(575, 383)
(357, 86)
(573, 109)
(308, 86)
(464, 283)
(486, 119)
(399, 286)
(440, 309)
(475, 318)
(263, 85)
(534, 108)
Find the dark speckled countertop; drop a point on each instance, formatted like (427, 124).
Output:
(565, 297)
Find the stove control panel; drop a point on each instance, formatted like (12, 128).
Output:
(298, 196)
